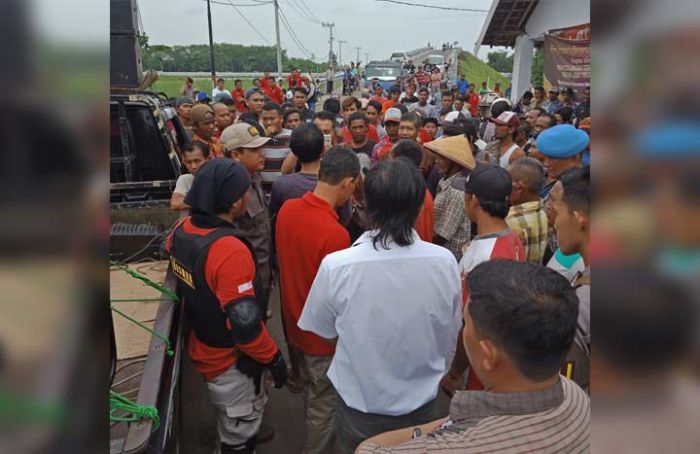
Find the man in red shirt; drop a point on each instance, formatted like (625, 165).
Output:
(307, 230)
(272, 90)
(350, 105)
(394, 93)
(473, 100)
(378, 95)
(238, 95)
(487, 201)
(229, 345)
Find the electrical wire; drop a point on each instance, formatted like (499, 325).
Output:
(446, 8)
(294, 37)
(311, 13)
(248, 22)
(300, 11)
(239, 5)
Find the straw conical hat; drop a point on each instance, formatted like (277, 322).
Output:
(456, 149)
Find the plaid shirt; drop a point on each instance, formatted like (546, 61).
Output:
(529, 220)
(451, 221)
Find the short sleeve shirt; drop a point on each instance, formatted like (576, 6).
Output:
(184, 184)
(451, 221)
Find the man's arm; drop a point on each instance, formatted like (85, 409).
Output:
(289, 164)
(177, 202)
(395, 437)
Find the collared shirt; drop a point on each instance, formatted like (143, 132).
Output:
(555, 419)
(254, 226)
(451, 221)
(529, 221)
(216, 148)
(396, 313)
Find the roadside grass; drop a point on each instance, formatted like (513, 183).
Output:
(171, 85)
(476, 71)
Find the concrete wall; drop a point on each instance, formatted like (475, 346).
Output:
(548, 15)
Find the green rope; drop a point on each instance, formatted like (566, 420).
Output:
(144, 279)
(127, 300)
(133, 411)
(169, 350)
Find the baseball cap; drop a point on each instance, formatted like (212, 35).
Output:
(202, 96)
(392, 114)
(507, 118)
(562, 141)
(183, 100)
(242, 135)
(488, 182)
(199, 112)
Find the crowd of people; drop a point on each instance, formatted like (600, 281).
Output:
(420, 244)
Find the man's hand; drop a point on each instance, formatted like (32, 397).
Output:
(451, 383)
(278, 368)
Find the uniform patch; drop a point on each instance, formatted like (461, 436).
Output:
(253, 131)
(182, 273)
(244, 287)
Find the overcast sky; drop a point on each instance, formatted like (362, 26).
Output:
(378, 28)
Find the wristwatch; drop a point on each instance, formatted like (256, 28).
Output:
(417, 433)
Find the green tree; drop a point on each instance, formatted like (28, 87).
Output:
(538, 67)
(501, 61)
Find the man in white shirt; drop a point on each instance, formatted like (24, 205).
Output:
(219, 89)
(392, 303)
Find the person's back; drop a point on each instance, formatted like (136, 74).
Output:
(393, 303)
(517, 341)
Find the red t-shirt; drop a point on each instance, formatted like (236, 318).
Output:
(426, 219)
(238, 96)
(473, 100)
(388, 105)
(274, 93)
(307, 230)
(372, 134)
(505, 244)
(229, 271)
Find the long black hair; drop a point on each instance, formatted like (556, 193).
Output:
(394, 192)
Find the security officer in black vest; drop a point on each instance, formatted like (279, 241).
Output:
(230, 345)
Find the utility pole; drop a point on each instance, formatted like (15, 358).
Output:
(366, 58)
(211, 47)
(279, 46)
(330, 51)
(340, 51)
(357, 61)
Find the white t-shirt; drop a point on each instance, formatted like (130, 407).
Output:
(184, 184)
(216, 91)
(397, 315)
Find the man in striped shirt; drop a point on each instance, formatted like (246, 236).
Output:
(517, 342)
(277, 148)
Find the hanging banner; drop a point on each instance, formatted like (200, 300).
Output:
(567, 62)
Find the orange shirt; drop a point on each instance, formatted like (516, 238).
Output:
(426, 219)
(216, 148)
(228, 269)
(388, 105)
(307, 230)
(275, 94)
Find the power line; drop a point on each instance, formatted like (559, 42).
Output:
(248, 22)
(311, 13)
(300, 11)
(434, 7)
(294, 37)
(239, 5)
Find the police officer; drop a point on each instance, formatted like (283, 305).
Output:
(230, 345)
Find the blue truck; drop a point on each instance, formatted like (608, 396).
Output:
(383, 73)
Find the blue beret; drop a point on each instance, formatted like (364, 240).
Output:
(562, 141)
(670, 141)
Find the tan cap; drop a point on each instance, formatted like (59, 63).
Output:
(199, 112)
(456, 149)
(242, 135)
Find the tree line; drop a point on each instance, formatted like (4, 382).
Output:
(228, 57)
(502, 62)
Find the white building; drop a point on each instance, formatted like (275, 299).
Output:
(522, 24)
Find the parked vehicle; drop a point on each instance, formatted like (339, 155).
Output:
(437, 60)
(400, 57)
(383, 73)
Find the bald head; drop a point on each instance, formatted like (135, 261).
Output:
(222, 116)
(530, 172)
